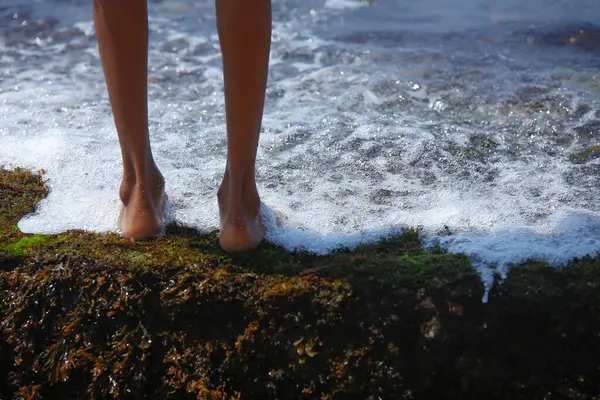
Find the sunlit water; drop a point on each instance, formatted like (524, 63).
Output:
(456, 118)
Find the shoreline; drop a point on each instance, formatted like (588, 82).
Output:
(89, 315)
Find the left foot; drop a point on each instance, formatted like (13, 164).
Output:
(143, 207)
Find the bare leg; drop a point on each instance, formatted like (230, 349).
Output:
(244, 29)
(122, 33)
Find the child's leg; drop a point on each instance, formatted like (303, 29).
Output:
(245, 33)
(122, 33)
(244, 29)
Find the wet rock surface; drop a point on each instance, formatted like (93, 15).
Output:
(85, 315)
(93, 316)
(583, 36)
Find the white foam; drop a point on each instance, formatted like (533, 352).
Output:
(356, 144)
(345, 4)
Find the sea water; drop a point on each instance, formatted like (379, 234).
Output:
(461, 118)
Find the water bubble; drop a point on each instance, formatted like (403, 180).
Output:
(353, 148)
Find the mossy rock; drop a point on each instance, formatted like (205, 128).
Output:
(590, 153)
(84, 315)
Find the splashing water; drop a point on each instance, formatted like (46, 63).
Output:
(470, 121)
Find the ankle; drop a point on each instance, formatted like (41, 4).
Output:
(229, 189)
(149, 181)
(240, 199)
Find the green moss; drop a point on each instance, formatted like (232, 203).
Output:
(86, 315)
(586, 155)
(19, 248)
(20, 191)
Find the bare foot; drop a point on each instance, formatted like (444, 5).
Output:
(241, 228)
(143, 207)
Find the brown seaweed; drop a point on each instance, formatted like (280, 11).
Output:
(84, 315)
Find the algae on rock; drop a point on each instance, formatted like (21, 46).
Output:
(84, 315)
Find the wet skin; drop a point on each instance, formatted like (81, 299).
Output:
(244, 29)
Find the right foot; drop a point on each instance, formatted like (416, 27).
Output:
(143, 207)
(241, 228)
